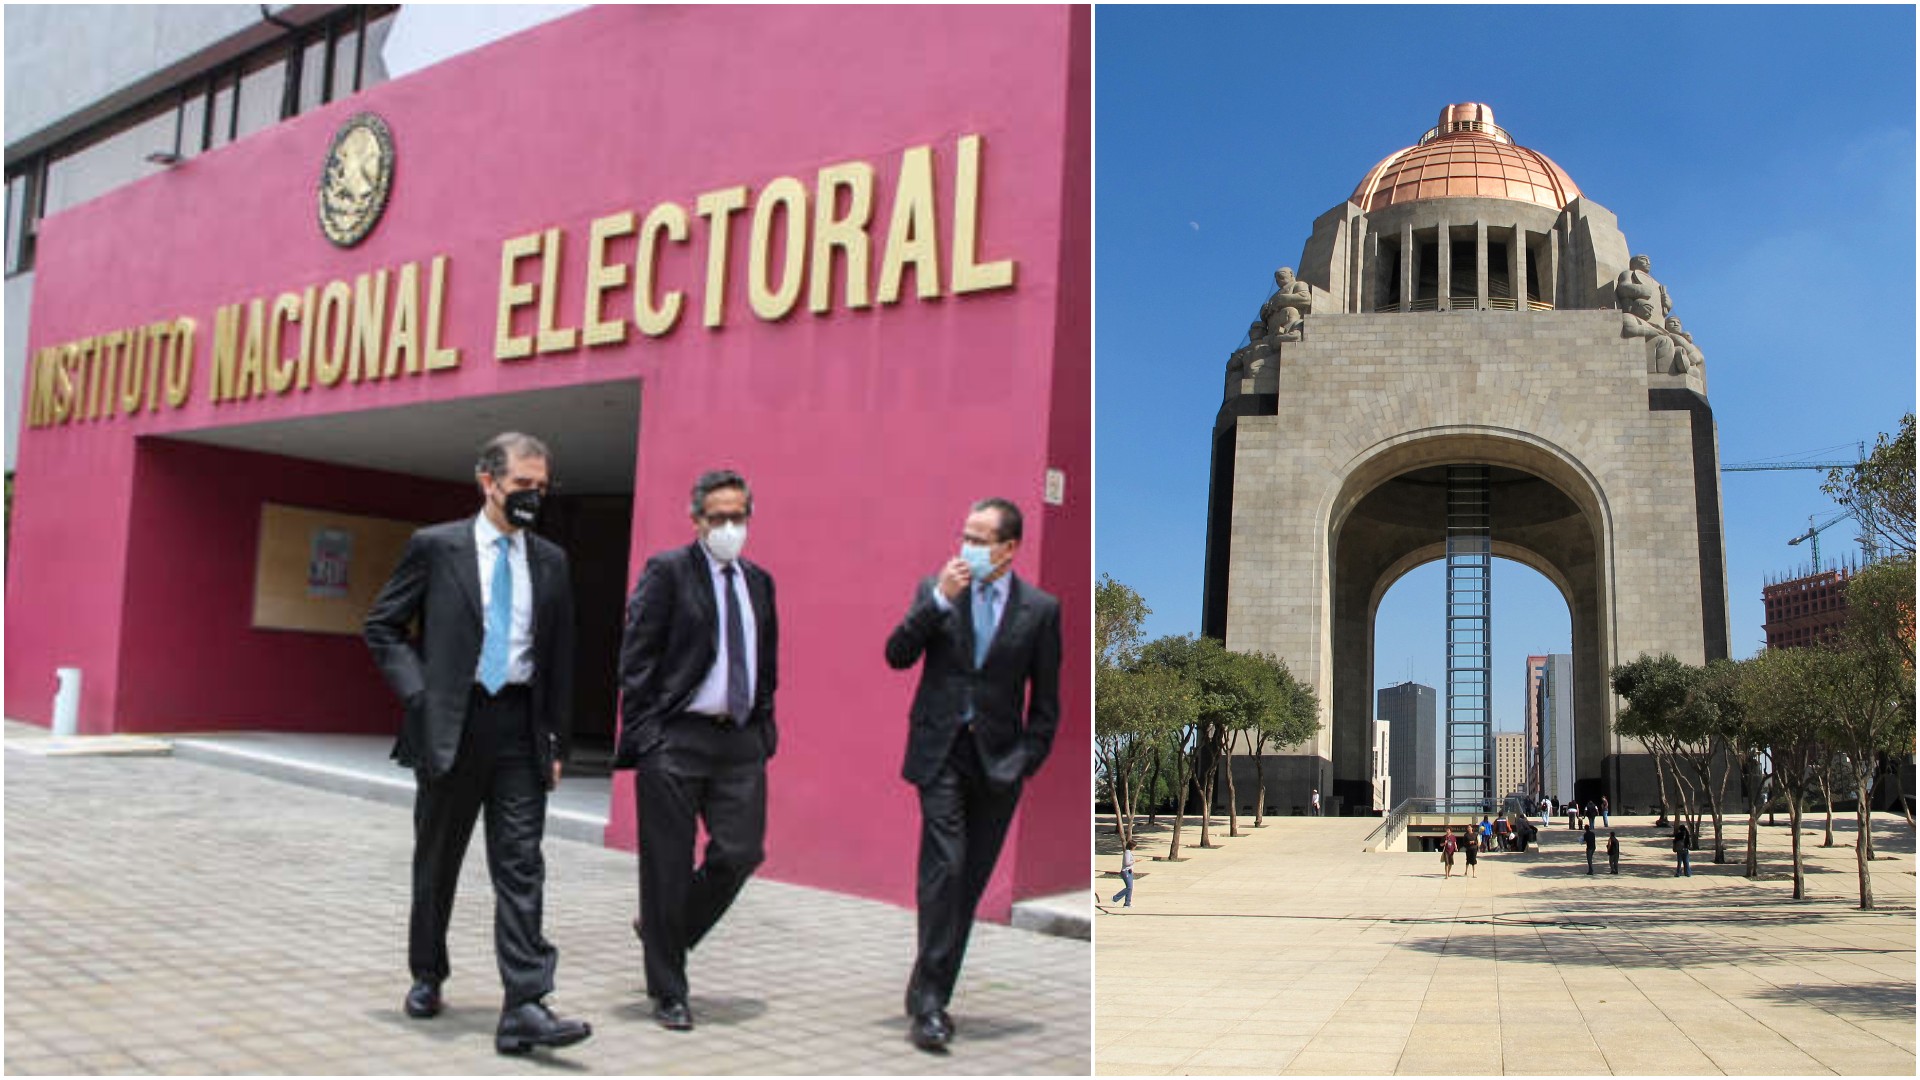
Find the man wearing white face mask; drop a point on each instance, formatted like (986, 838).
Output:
(697, 675)
(982, 722)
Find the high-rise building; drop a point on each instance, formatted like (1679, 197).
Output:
(1530, 726)
(1411, 712)
(1509, 763)
(1554, 700)
(1382, 778)
(1808, 609)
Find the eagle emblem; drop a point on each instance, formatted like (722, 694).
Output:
(355, 179)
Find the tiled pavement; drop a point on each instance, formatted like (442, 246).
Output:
(1290, 951)
(164, 916)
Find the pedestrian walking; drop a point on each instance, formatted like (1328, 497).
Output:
(1316, 802)
(1682, 840)
(1501, 832)
(1486, 835)
(1588, 836)
(1605, 821)
(1573, 816)
(1126, 875)
(1447, 847)
(1473, 850)
(1613, 854)
(487, 689)
(1546, 810)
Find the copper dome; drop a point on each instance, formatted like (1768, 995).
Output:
(1465, 155)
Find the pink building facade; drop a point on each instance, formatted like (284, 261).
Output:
(844, 252)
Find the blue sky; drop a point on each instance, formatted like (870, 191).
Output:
(1763, 156)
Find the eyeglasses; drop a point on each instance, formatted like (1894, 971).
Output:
(717, 520)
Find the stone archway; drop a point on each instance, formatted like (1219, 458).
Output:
(1387, 515)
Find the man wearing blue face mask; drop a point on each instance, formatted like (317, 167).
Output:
(982, 722)
(698, 667)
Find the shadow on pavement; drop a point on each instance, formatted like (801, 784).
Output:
(721, 1010)
(968, 1026)
(1872, 1001)
(466, 1024)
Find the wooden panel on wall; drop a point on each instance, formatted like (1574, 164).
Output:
(319, 570)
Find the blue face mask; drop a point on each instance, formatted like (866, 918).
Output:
(979, 560)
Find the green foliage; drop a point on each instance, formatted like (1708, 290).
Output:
(1880, 491)
(1118, 614)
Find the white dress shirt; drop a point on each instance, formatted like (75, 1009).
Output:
(711, 698)
(520, 641)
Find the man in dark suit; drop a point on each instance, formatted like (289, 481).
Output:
(982, 722)
(486, 689)
(697, 674)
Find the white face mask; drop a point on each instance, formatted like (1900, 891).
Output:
(725, 541)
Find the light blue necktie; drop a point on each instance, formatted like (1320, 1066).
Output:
(493, 648)
(982, 623)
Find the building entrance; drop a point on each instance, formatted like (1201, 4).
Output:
(260, 546)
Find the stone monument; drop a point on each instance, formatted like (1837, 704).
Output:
(1550, 373)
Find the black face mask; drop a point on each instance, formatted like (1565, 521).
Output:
(523, 508)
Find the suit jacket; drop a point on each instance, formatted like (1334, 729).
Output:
(1015, 693)
(438, 579)
(671, 643)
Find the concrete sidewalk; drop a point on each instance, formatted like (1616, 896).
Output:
(167, 916)
(1287, 950)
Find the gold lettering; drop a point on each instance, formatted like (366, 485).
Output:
(71, 380)
(156, 344)
(550, 339)
(304, 371)
(404, 336)
(40, 410)
(603, 278)
(280, 366)
(912, 233)
(253, 382)
(330, 331)
(782, 195)
(654, 320)
(108, 359)
(132, 356)
(221, 384)
(717, 207)
(513, 295)
(180, 362)
(90, 359)
(438, 359)
(969, 276)
(369, 315)
(848, 233)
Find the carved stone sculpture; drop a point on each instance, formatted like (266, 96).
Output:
(1643, 302)
(1281, 313)
(1251, 357)
(1686, 355)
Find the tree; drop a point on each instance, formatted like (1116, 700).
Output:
(1879, 491)
(1295, 719)
(1864, 690)
(1183, 656)
(1785, 707)
(1657, 689)
(1130, 709)
(1880, 622)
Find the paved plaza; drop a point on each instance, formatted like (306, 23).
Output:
(1288, 950)
(167, 916)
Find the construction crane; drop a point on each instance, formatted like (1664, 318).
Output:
(1779, 466)
(1868, 538)
(1813, 533)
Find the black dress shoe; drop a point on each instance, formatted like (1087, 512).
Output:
(423, 1001)
(673, 1014)
(524, 1027)
(932, 1031)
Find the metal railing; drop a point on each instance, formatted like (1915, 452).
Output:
(1396, 820)
(1466, 303)
(1480, 126)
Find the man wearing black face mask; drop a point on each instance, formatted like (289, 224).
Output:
(485, 689)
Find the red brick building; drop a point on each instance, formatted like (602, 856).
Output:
(1808, 609)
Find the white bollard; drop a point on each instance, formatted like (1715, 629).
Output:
(66, 702)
